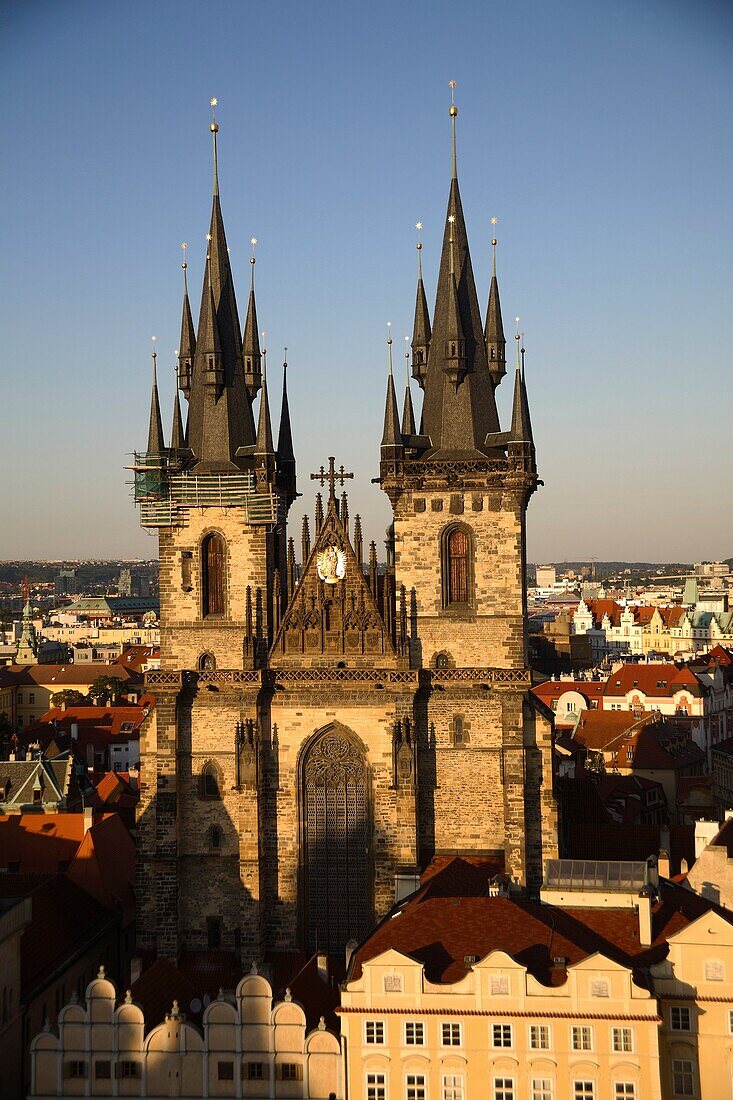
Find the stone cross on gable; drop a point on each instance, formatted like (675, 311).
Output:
(331, 475)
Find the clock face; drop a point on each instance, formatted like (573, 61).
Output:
(331, 564)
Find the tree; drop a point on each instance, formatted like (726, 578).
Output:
(105, 687)
(70, 697)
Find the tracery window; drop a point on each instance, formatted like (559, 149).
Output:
(210, 782)
(213, 555)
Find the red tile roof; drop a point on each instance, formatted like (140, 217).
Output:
(38, 843)
(662, 679)
(104, 866)
(440, 932)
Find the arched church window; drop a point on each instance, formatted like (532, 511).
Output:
(441, 661)
(336, 837)
(213, 556)
(207, 662)
(457, 566)
(215, 838)
(210, 782)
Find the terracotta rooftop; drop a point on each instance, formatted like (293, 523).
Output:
(657, 680)
(441, 931)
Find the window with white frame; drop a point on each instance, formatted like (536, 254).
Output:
(582, 1038)
(539, 1037)
(450, 1035)
(501, 1035)
(414, 1033)
(376, 1086)
(374, 1032)
(504, 1088)
(683, 1081)
(584, 1090)
(453, 1086)
(680, 1018)
(541, 1088)
(415, 1087)
(622, 1040)
(624, 1090)
(730, 1021)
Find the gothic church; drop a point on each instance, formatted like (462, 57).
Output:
(323, 727)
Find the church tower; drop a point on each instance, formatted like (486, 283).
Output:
(323, 728)
(459, 490)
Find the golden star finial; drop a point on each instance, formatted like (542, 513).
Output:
(418, 226)
(208, 236)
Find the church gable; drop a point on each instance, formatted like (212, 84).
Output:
(333, 616)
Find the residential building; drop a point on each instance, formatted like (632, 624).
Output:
(38, 784)
(36, 685)
(15, 916)
(249, 1045)
(466, 990)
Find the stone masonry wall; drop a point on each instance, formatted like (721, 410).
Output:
(184, 634)
(491, 632)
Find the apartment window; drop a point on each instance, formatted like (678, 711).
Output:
(679, 1018)
(682, 1079)
(624, 1090)
(225, 1071)
(730, 1021)
(415, 1087)
(582, 1038)
(504, 1088)
(541, 1088)
(31, 696)
(450, 1035)
(376, 1086)
(128, 1069)
(103, 1070)
(539, 1037)
(501, 1035)
(76, 1068)
(254, 1071)
(453, 1086)
(622, 1040)
(374, 1031)
(583, 1090)
(290, 1071)
(414, 1033)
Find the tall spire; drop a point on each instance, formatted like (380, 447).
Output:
(391, 436)
(264, 448)
(521, 430)
(459, 409)
(187, 346)
(285, 452)
(250, 339)
(178, 441)
(408, 413)
(156, 444)
(421, 326)
(219, 427)
(494, 329)
(27, 652)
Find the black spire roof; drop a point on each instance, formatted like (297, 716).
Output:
(220, 415)
(187, 346)
(494, 331)
(178, 439)
(156, 443)
(285, 451)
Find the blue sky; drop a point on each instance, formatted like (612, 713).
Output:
(597, 132)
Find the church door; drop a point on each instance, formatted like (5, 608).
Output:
(336, 835)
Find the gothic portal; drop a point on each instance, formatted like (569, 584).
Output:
(326, 723)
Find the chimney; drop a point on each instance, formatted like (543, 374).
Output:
(663, 863)
(645, 916)
(322, 964)
(88, 819)
(134, 776)
(684, 866)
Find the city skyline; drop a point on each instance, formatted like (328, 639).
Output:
(611, 244)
